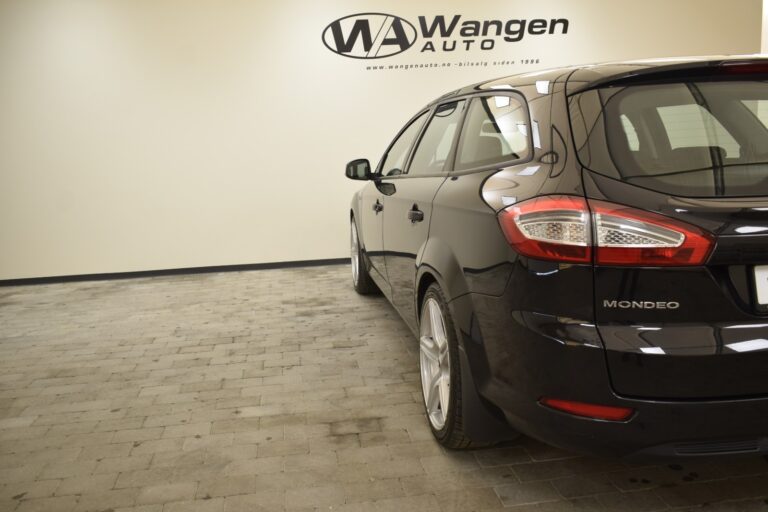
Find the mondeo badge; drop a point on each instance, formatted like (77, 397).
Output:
(369, 35)
(640, 304)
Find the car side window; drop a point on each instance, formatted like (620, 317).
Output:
(435, 145)
(496, 131)
(394, 160)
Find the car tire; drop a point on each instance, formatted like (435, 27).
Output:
(361, 280)
(439, 360)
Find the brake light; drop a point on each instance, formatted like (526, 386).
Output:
(592, 411)
(744, 68)
(549, 228)
(568, 229)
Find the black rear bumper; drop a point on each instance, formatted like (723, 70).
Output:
(516, 358)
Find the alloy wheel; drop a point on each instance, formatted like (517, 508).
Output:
(435, 363)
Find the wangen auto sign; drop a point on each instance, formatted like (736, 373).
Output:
(378, 35)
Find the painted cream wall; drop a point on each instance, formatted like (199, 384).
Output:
(764, 40)
(139, 135)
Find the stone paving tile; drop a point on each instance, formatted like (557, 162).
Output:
(527, 493)
(166, 493)
(209, 505)
(260, 391)
(578, 504)
(639, 501)
(29, 490)
(325, 496)
(502, 456)
(58, 504)
(373, 490)
(469, 500)
(105, 500)
(86, 484)
(581, 486)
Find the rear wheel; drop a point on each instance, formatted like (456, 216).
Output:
(440, 371)
(362, 281)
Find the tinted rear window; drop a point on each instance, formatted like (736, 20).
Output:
(705, 139)
(496, 131)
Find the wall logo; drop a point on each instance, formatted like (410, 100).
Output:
(377, 35)
(369, 35)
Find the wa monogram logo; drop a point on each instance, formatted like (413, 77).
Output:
(369, 36)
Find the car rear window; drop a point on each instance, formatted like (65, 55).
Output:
(495, 131)
(703, 139)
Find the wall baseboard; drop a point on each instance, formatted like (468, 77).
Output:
(171, 272)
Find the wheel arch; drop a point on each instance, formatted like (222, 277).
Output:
(354, 216)
(426, 279)
(437, 263)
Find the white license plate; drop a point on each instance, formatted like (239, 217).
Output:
(761, 284)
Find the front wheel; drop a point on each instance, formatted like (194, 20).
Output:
(440, 371)
(362, 281)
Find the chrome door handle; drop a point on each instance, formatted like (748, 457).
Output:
(415, 215)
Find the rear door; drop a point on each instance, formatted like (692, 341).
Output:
(681, 293)
(372, 198)
(408, 204)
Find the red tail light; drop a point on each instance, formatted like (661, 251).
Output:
(568, 229)
(592, 411)
(549, 228)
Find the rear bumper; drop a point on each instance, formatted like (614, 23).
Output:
(658, 430)
(516, 358)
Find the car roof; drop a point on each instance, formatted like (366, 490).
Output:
(588, 76)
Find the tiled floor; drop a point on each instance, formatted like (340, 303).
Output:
(269, 390)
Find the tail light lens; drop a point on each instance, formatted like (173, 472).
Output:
(568, 229)
(627, 236)
(592, 411)
(549, 228)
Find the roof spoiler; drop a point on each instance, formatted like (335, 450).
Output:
(723, 69)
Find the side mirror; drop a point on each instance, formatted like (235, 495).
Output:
(359, 169)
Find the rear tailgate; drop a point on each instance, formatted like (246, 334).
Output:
(696, 152)
(696, 332)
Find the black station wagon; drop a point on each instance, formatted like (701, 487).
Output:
(583, 255)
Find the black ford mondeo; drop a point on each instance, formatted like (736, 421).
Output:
(583, 254)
